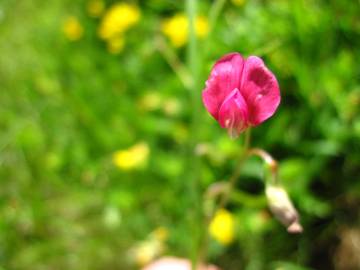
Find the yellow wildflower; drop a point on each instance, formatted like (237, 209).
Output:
(238, 2)
(171, 107)
(73, 29)
(180, 133)
(150, 101)
(146, 251)
(119, 18)
(132, 158)
(160, 234)
(115, 44)
(95, 8)
(221, 227)
(111, 217)
(201, 27)
(176, 29)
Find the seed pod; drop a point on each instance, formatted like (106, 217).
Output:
(282, 208)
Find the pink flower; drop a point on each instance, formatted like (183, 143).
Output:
(241, 93)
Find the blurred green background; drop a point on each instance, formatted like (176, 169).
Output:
(97, 133)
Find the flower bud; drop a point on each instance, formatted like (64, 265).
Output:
(282, 208)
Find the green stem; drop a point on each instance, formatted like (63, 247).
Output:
(194, 166)
(192, 48)
(214, 13)
(225, 190)
(226, 194)
(237, 171)
(270, 162)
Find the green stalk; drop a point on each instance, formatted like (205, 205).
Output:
(225, 193)
(237, 171)
(214, 13)
(194, 166)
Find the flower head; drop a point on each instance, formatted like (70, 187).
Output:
(95, 8)
(176, 29)
(160, 234)
(241, 93)
(151, 101)
(119, 18)
(221, 227)
(115, 44)
(132, 158)
(239, 3)
(73, 29)
(146, 251)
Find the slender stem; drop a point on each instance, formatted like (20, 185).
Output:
(192, 48)
(225, 189)
(215, 12)
(247, 140)
(193, 61)
(268, 160)
(237, 171)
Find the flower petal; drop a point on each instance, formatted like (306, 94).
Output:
(225, 77)
(260, 90)
(233, 114)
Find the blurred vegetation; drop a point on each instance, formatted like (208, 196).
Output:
(95, 132)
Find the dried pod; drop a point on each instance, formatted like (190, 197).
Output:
(282, 208)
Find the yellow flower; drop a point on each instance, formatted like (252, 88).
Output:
(119, 18)
(201, 27)
(150, 101)
(115, 44)
(172, 107)
(95, 8)
(132, 158)
(176, 29)
(146, 251)
(221, 227)
(73, 29)
(180, 133)
(160, 234)
(238, 2)
(111, 217)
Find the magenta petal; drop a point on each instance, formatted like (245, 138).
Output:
(260, 90)
(224, 78)
(233, 114)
